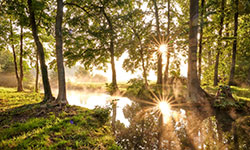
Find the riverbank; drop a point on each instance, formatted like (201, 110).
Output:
(26, 124)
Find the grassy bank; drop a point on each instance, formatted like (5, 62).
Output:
(238, 93)
(26, 124)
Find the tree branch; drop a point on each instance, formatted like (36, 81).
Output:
(78, 6)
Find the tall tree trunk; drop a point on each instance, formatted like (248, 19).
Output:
(219, 44)
(112, 51)
(231, 78)
(160, 133)
(168, 52)
(193, 82)
(46, 85)
(201, 37)
(114, 82)
(248, 77)
(14, 53)
(59, 54)
(20, 81)
(114, 111)
(37, 73)
(143, 65)
(159, 63)
(159, 73)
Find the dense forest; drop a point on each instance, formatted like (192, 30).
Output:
(51, 52)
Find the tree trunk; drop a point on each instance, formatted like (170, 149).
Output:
(159, 63)
(37, 73)
(143, 65)
(142, 58)
(20, 81)
(112, 51)
(231, 78)
(168, 52)
(200, 40)
(14, 53)
(114, 107)
(59, 54)
(160, 133)
(193, 82)
(248, 77)
(114, 82)
(46, 85)
(236, 138)
(219, 44)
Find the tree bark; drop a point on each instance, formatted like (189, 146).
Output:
(114, 82)
(46, 85)
(248, 77)
(232, 70)
(159, 62)
(114, 110)
(59, 54)
(37, 73)
(193, 82)
(160, 133)
(219, 44)
(20, 81)
(200, 40)
(14, 53)
(168, 52)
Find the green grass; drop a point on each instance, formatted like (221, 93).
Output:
(238, 93)
(241, 93)
(27, 124)
(9, 98)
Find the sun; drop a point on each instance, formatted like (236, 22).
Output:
(163, 48)
(164, 108)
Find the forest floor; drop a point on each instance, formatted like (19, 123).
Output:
(26, 124)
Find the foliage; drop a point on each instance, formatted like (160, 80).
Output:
(135, 87)
(110, 88)
(6, 61)
(85, 76)
(29, 126)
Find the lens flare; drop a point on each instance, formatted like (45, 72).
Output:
(165, 108)
(162, 48)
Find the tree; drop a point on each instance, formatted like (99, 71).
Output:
(201, 36)
(102, 26)
(159, 56)
(20, 81)
(59, 54)
(37, 73)
(46, 85)
(232, 70)
(139, 36)
(193, 82)
(219, 44)
(168, 52)
(14, 53)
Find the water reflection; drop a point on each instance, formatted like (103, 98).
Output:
(92, 99)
